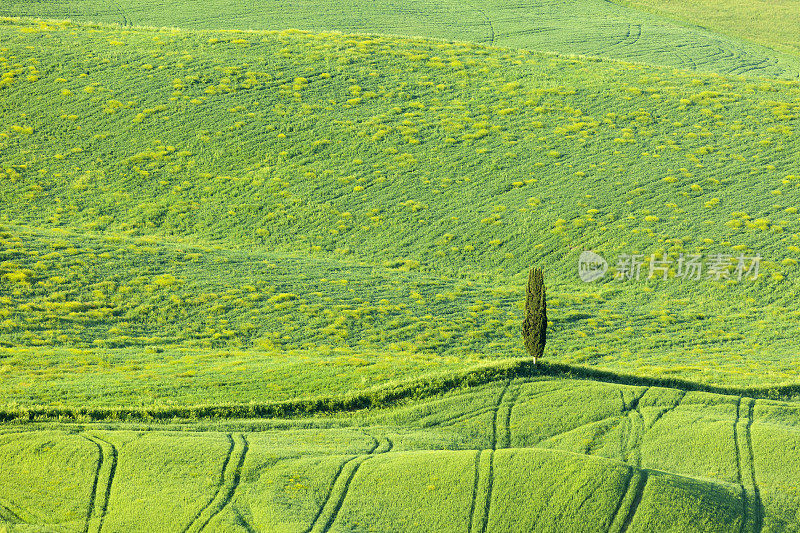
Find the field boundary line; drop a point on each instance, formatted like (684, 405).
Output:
(390, 395)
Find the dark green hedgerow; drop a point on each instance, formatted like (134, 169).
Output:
(388, 395)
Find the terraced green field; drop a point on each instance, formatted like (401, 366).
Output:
(274, 280)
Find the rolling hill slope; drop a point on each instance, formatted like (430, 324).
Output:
(588, 27)
(445, 161)
(542, 454)
(772, 24)
(273, 280)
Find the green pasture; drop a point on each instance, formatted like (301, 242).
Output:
(523, 454)
(265, 279)
(772, 24)
(296, 191)
(703, 36)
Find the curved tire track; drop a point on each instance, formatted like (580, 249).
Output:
(229, 481)
(474, 490)
(7, 514)
(484, 518)
(667, 410)
(488, 22)
(736, 447)
(101, 487)
(329, 510)
(637, 499)
(622, 497)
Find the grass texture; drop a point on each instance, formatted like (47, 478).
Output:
(173, 200)
(539, 460)
(754, 39)
(273, 280)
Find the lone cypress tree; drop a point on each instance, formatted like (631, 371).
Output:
(534, 328)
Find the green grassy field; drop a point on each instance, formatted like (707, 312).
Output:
(460, 461)
(773, 24)
(589, 27)
(142, 171)
(273, 280)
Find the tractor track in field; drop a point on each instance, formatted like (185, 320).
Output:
(342, 495)
(241, 521)
(474, 490)
(6, 513)
(490, 485)
(667, 410)
(490, 476)
(738, 455)
(101, 485)
(630, 38)
(496, 411)
(229, 481)
(622, 497)
(125, 21)
(637, 499)
(487, 21)
(635, 438)
(461, 418)
(604, 425)
(759, 507)
(478, 412)
(329, 510)
(507, 424)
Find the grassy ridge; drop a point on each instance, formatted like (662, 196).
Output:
(379, 396)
